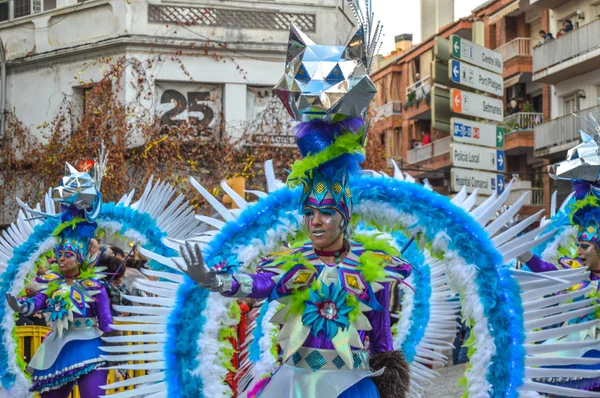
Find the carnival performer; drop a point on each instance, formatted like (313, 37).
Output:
(76, 302)
(584, 214)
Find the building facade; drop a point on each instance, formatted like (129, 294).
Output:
(539, 86)
(210, 62)
(219, 55)
(569, 65)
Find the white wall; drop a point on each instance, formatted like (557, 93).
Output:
(586, 84)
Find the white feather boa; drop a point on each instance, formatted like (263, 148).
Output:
(267, 362)
(250, 253)
(564, 239)
(210, 362)
(404, 324)
(461, 278)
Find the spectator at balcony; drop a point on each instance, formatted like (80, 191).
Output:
(544, 36)
(562, 31)
(426, 139)
(513, 107)
(568, 25)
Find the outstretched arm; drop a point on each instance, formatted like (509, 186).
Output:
(28, 306)
(232, 285)
(256, 286)
(535, 263)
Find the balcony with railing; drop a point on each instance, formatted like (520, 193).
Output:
(574, 53)
(522, 121)
(535, 197)
(441, 146)
(392, 108)
(419, 154)
(418, 98)
(429, 151)
(516, 55)
(519, 130)
(557, 135)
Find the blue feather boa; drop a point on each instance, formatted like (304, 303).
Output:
(437, 214)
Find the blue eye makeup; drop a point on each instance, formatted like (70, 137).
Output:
(67, 254)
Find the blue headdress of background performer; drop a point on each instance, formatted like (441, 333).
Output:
(328, 89)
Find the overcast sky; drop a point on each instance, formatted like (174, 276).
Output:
(403, 16)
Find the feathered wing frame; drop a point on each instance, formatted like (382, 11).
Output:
(151, 221)
(462, 247)
(181, 331)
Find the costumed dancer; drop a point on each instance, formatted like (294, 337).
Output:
(336, 301)
(74, 298)
(335, 292)
(327, 290)
(582, 166)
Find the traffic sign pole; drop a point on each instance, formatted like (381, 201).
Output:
(475, 105)
(474, 77)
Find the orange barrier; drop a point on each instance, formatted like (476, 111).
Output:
(31, 337)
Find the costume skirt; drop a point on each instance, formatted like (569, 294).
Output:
(76, 358)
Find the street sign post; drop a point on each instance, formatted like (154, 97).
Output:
(487, 182)
(476, 157)
(475, 105)
(473, 77)
(474, 54)
(470, 132)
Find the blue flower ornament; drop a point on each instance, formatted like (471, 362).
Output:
(327, 311)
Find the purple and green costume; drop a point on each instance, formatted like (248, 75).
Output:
(334, 317)
(71, 352)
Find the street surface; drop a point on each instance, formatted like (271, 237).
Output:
(446, 386)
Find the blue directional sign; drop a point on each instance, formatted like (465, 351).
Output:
(500, 160)
(455, 71)
(500, 179)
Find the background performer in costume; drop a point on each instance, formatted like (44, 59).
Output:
(76, 301)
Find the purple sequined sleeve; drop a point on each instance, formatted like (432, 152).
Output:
(39, 302)
(380, 337)
(103, 311)
(536, 264)
(262, 285)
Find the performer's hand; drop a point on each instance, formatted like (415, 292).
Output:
(16, 305)
(197, 270)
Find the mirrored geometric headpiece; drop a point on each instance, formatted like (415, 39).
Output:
(321, 191)
(325, 81)
(583, 161)
(77, 188)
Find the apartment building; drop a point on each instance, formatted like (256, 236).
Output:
(511, 28)
(569, 65)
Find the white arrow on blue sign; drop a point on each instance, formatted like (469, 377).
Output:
(476, 78)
